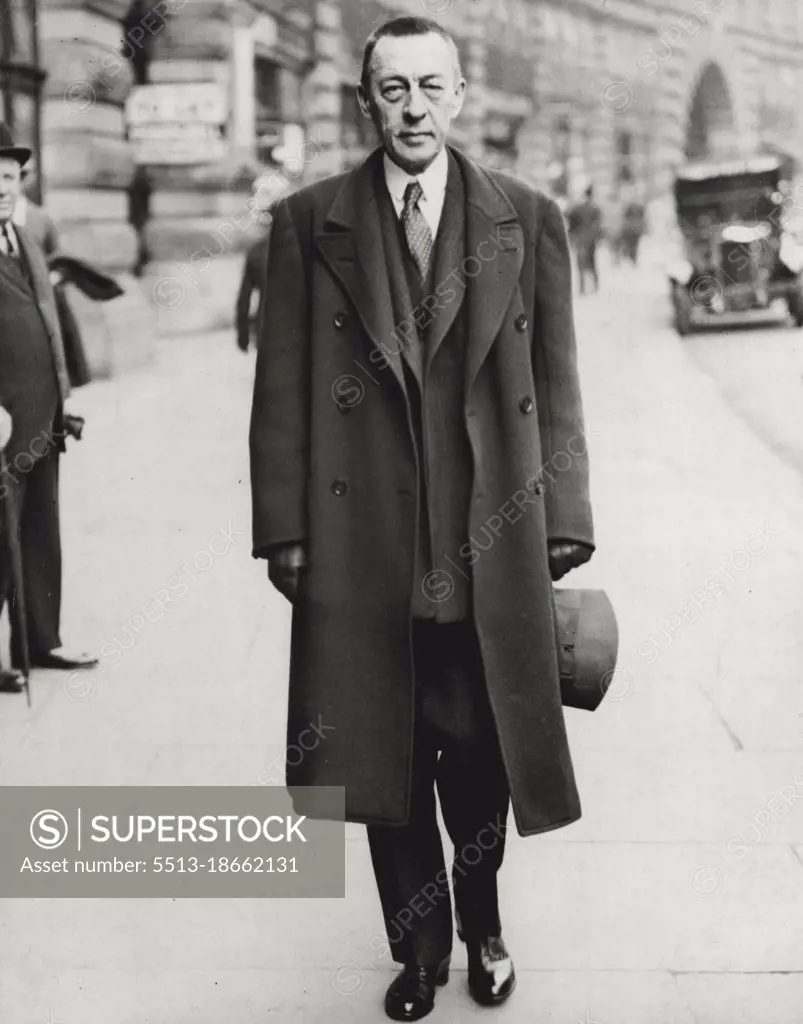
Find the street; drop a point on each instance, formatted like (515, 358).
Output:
(677, 899)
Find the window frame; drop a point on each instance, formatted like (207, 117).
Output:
(22, 78)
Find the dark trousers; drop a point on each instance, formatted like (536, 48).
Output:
(587, 265)
(35, 494)
(455, 749)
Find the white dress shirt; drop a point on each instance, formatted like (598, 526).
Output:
(432, 182)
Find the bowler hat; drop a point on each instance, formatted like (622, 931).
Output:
(588, 643)
(7, 148)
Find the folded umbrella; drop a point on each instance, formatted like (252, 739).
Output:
(86, 278)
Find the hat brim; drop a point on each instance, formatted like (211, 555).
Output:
(18, 153)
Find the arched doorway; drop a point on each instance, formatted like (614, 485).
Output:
(711, 133)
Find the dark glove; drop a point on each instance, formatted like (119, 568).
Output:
(73, 426)
(286, 569)
(243, 342)
(566, 555)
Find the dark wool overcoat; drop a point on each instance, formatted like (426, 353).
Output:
(34, 382)
(345, 485)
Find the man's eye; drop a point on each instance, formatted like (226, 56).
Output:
(392, 92)
(434, 88)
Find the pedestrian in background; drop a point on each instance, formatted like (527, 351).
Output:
(34, 390)
(586, 232)
(634, 225)
(268, 190)
(428, 651)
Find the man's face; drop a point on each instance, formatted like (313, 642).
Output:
(10, 187)
(415, 92)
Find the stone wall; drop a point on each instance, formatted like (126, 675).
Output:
(87, 167)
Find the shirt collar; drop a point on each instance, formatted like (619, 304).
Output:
(432, 180)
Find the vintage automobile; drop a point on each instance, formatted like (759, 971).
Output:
(739, 255)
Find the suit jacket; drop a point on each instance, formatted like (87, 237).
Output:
(33, 372)
(434, 389)
(333, 466)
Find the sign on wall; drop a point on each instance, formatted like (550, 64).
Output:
(177, 123)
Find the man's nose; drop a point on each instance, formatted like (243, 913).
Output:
(415, 107)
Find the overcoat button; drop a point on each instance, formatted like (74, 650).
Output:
(526, 404)
(340, 321)
(339, 488)
(521, 322)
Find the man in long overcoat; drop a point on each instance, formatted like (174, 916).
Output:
(34, 390)
(419, 478)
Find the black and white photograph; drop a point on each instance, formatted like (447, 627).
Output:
(401, 471)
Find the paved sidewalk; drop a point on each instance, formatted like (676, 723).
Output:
(677, 899)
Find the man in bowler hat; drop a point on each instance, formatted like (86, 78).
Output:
(419, 478)
(34, 391)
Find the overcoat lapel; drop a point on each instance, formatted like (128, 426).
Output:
(45, 300)
(41, 283)
(495, 241)
(351, 245)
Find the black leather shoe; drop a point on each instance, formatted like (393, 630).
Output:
(491, 977)
(64, 659)
(11, 681)
(411, 994)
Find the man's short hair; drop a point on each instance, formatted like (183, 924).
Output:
(398, 28)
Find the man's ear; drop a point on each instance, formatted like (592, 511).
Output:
(364, 101)
(459, 97)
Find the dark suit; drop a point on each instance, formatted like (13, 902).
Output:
(455, 743)
(33, 387)
(41, 229)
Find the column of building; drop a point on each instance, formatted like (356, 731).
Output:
(323, 152)
(191, 261)
(87, 166)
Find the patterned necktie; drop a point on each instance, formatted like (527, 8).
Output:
(7, 244)
(416, 229)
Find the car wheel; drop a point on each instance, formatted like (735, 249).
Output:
(795, 305)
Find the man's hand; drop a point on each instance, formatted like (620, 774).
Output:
(6, 426)
(286, 568)
(564, 556)
(72, 422)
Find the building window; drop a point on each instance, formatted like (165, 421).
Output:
(20, 77)
(624, 158)
(268, 91)
(278, 95)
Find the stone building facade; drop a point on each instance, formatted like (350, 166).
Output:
(561, 92)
